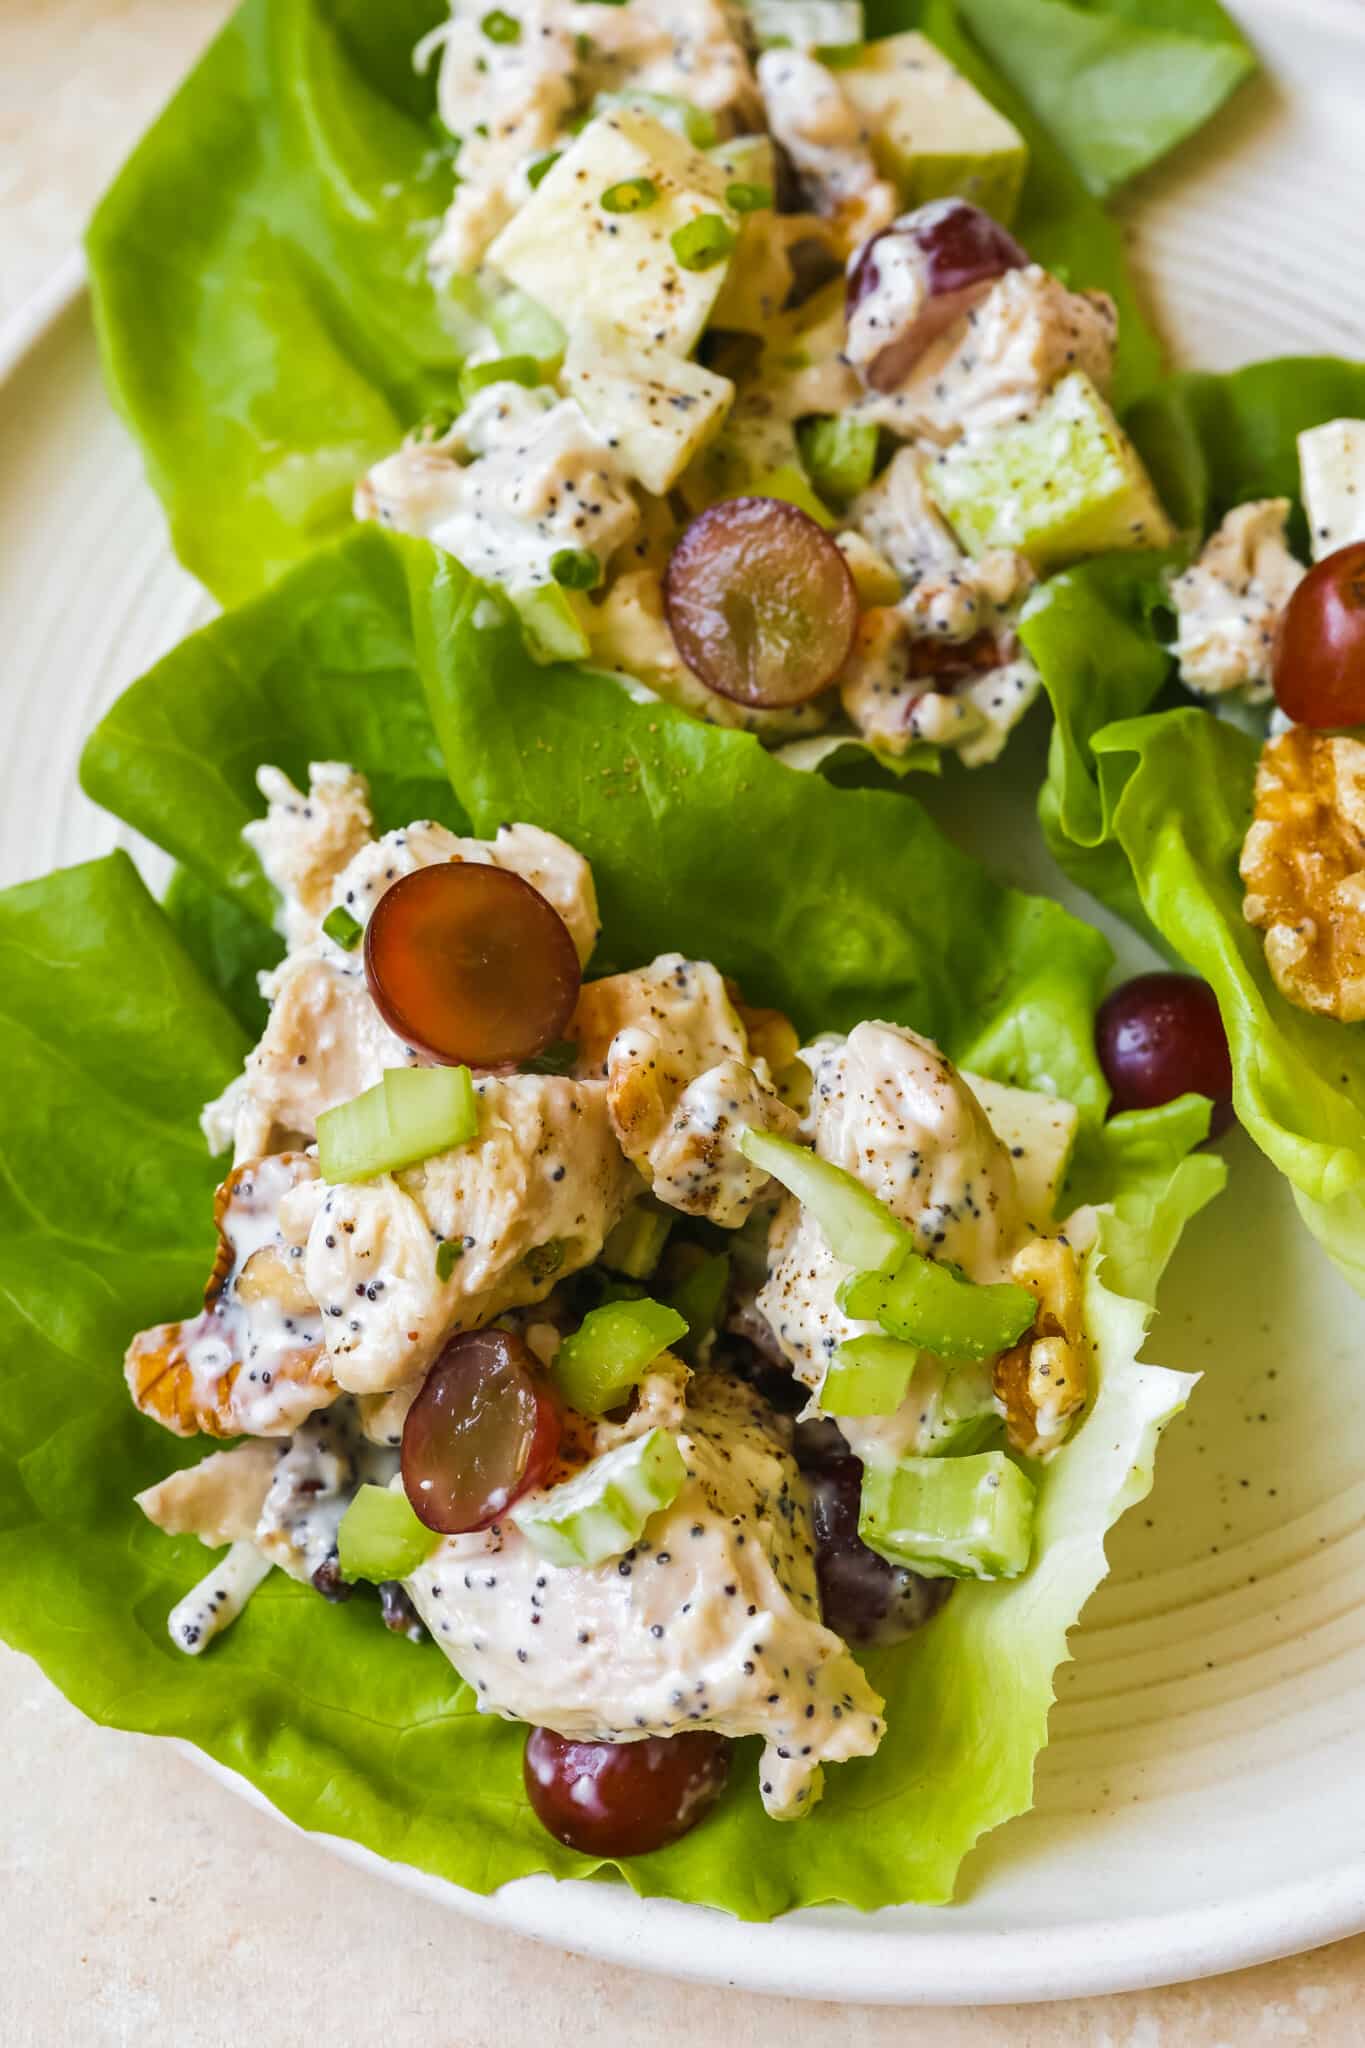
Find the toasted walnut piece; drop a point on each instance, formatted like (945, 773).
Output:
(1041, 1383)
(1303, 862)
(771, 1035)
(252, 1362)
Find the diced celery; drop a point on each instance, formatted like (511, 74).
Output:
(840, 454)
(603, 1509)
(550, 623)
(950, 1518)
(635, 1245)
(932, 1304)
(868, 1376)
(698, 1294)
(611, 1351)
(381, 1538)
(861, 1231)
(411, 1114)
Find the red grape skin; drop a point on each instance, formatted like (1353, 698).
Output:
(1319, 664)
(623, 1798)
(468, 964)
(484, 1429)
(760, 602)
(863, 1598)
(1160, 1036)
(958, 252)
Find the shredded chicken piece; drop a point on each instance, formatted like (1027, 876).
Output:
(1228, 603)
(827, 140)
(303, 842)
(219, 1500)
(1303, 863)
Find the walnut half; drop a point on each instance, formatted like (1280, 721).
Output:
(1303, 863)
(1042, 1382)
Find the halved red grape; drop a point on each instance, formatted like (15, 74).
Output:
(863, 1598)
(470, 965)
(1161, 1035)
(1320, 648)
(908, 284)
(484, 1429)
(760, 602)
(623, 1798)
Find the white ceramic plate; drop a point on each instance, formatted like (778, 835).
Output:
(1202, 1803)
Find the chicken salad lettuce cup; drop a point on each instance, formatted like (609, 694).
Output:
(764, 355)
(728, 1186)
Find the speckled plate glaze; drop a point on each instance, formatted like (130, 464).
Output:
(1202, 1803)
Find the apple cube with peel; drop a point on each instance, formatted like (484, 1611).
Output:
(656, 409)
(1332, 470)
(569, 251)
(1040, 1132)
(932, 133)
(1062, 483)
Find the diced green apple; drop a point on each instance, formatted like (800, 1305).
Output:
(861, 1231)
(658, 408)
(931, 131)
(1039, 1132)
(1332, 470)
(1062, 483)
(950, 1518)
(567, 250)
(603, 1509)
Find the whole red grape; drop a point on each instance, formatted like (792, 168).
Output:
(623, 1798)
(1319, 664)
(1160, 1036)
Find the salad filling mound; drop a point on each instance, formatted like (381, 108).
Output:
(763, 407)
(644, 1359)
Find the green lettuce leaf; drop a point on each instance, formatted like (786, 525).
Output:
(1117, 82)
(265, 319)
(1149, 813)
(105, 1206)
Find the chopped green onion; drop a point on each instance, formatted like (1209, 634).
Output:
(950, 1518)
(596, 1368)
(742, 198)
(933, 1304)
(501, 27)
(449, 1252)
(840, 454)
(411, 1114)
(635, 1246)
(576, 568)
(343, 929)
(631, 195)
(380, 1538)
(700, 243)
(868, 1376)
(698, 1295)
(542, 166)
(501, 370)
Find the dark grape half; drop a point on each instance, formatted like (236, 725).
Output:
(484, 1429)
(954, 253)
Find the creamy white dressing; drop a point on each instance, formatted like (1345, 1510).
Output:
(215, 1603)
(828, 142)
(1228, 603)
(710, 1621)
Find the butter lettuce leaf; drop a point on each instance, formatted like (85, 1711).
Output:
(840, 903)
(267, 326)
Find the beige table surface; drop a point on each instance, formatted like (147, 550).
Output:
(141, 1903)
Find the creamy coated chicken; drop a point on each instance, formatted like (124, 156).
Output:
(681, 1083)
(304, 841)
(899, 688)
(947, 595)
(828, 143)
(712, 1620)
(1228, 603)
(1000, 360)
(528, 1201)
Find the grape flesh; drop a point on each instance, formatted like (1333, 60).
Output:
(1160, 1036)
(623, 1798)
(1319, 663)
(484, 1429)
(909, 283)
(760, 602)
(469, 965)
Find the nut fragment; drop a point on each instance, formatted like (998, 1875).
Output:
(1041, 1383)
(1303, 862)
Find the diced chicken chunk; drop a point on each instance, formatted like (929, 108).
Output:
(822, 132)
(693, 50)
(999, 361)
(1228, 603)
(303, 842)
(947, 594)
(900, 689)
(528, 1201)
(1303, 863)
(219, 1500)
(681, 1083)
(252, 1362)
(712, 1621)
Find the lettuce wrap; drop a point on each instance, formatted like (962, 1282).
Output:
(1149, 812)
(839, 903)
(265, 317)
